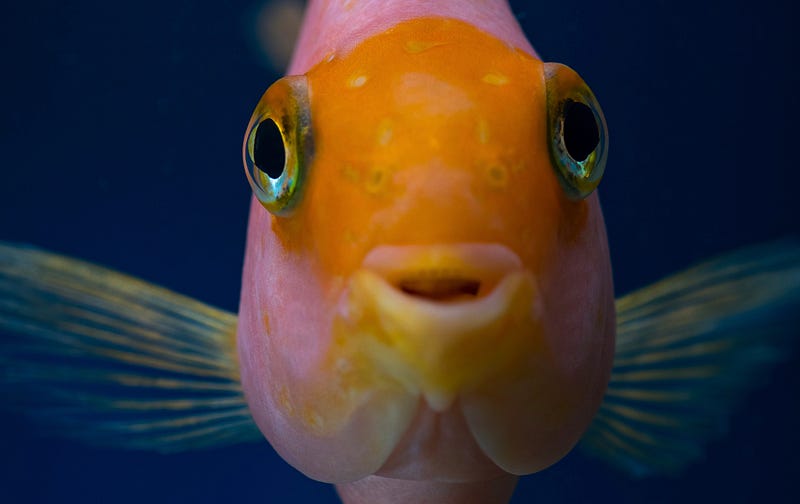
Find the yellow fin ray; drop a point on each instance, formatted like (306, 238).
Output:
(688, 349)
(111, 360)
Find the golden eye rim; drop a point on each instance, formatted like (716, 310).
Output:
(578, 178)
(271, 192)
(286, 105)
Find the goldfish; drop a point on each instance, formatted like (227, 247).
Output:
(427, 308)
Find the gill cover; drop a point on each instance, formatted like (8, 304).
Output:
(278, 145)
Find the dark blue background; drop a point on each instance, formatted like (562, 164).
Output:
(120, 139)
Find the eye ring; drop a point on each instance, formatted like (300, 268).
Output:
(577, 131)
(278, 146)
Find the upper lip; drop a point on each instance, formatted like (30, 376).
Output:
(443, 273)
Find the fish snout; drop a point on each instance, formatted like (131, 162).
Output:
(443, 319)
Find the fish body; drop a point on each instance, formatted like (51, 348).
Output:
(427, 306)
(388, 207)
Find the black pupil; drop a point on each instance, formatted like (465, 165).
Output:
(269, 154)
(581, 134)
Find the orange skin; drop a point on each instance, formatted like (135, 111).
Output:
(429, 136)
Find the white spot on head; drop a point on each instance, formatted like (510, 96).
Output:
(385, 132)
(433, 95)
(482, 129)
(357, 81)
(495, 79)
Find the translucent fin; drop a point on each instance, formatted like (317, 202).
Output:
(689, 347)
(111, 360)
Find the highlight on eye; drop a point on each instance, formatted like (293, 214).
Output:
(277, 147)
(578, 136)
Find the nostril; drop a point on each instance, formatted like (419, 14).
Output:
(439, 288)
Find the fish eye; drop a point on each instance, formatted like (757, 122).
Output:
(577, 131)
(277, 148)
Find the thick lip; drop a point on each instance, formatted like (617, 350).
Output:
(439, 339)
(440, 273)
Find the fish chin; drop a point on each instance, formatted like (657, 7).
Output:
(438, 446)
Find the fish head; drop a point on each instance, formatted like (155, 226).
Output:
(427, 287)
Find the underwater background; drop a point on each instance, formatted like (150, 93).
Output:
(120, 139)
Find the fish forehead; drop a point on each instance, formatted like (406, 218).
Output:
(433, 131)
(426, 83)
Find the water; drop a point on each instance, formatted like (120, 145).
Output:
(120, 138)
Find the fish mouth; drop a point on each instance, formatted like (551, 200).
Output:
(443, 273)
(440, 288)
(442, 318)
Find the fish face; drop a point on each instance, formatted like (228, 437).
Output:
(435, 301)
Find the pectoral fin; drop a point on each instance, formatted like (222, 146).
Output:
(688, 349)
(112, 360)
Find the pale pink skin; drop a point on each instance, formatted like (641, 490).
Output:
(331, 26)
(272, 278)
